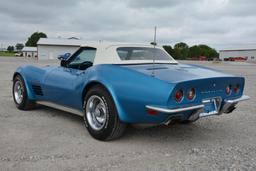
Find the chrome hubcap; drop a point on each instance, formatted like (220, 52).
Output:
(96, 112)
(18, 92)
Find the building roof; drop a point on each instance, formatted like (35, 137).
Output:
(106, 44)
(29, 49)
(75, 42)
(60, 42)
(245, 47)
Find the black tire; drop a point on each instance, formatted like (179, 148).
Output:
(186, 122)
(25, 103)
(113, 128)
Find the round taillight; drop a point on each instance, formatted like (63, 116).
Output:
(236, 89)
(191, 94)
(178, 95)
(228, 90)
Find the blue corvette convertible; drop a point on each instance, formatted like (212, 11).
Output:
(112, 85)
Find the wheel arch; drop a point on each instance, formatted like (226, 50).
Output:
(15, 74)
(30, 94)
(110, 90)
(89, 86)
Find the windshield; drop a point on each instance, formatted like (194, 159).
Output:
(142, 53)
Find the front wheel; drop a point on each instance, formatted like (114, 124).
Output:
(20, 95)
(100, 115)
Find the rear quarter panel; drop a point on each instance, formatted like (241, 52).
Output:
(132, 91)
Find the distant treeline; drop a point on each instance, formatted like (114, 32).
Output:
(183, 51)
(32, 42)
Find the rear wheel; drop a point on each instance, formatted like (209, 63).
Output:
(20, 95)
(100, 115)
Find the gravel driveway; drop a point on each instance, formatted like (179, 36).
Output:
(48, 139)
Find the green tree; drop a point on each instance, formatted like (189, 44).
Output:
(208, 52)
(181, 45)
(169, 50)
(213, 54)
(181, 50)
(33, 39)
(19, 46)
(10, 48)
(194, 51)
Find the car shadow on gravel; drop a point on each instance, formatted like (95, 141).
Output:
(179, 133)
(176, 132)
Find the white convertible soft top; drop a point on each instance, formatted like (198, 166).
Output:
(107, 53)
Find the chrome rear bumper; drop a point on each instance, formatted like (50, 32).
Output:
(198, 110)
(229, 104)
(176, 110)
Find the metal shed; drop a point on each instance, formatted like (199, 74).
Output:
(247, 52)
(52, 48)
(29, 51)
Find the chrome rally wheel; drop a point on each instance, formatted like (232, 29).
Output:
(18, 92)
(96, 112)
(100, 115)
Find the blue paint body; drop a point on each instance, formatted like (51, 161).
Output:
(132, 86)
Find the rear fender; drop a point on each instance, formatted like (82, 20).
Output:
(110, 89)
(132, 91)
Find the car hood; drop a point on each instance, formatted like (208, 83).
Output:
(174, 73)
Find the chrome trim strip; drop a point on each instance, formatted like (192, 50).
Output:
(176, 110)
(201, 115)
(206, 101)
(59, 107)
(243, 98)
(230, 103)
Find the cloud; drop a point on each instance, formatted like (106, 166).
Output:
(155, 4)
(214, 22)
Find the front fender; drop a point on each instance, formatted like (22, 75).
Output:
(22, 72)
(32, 76)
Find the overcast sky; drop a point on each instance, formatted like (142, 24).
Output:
(214, 22)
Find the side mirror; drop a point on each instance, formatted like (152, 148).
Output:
(64, 58)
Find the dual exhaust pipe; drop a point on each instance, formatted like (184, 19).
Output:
(199, 113)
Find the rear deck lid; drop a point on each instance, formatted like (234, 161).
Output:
(175, 73)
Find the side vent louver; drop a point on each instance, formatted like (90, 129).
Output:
(37, 90)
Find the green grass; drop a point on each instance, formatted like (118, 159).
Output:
(7, 54)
